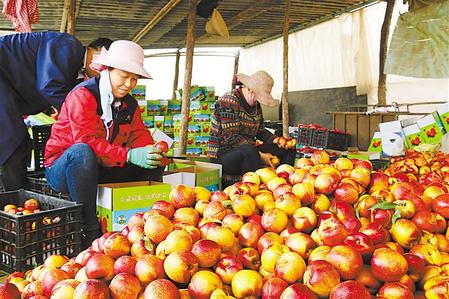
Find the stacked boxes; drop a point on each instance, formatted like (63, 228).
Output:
(165, 115)
(410, 133)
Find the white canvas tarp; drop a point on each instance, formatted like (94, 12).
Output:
(341, 52)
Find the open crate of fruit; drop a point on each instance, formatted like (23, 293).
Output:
(34, 226)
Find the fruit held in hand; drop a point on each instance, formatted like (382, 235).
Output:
(162, 146)
(275, 161)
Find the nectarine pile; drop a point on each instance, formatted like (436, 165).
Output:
(316, 230)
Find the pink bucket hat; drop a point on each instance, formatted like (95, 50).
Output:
(261, 84)
(122, 54)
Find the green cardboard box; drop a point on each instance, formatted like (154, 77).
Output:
(210, 93)
(430, 129)
(173, 107)
(157, 107)
(139, 92)
(148, 121)
(177, 120)
(199, 174)
(201, 118)
(376, 143)
(168, 124)
(413, 136)
(159, 122)
(443, 112)
(195, 107)
(115, 220)
(116, 198)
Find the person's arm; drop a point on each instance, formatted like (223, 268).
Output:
(81, 107)
(58, 61)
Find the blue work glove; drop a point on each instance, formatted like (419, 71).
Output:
(146, 157)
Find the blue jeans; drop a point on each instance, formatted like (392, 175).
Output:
(77, 172)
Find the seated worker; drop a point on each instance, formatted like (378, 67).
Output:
(99, 136)
(37, 70)
(236, 124)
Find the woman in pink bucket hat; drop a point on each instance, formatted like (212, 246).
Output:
(238, 122)
(99, 136)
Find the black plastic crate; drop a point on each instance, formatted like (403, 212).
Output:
(305, 135)
(27, 240)
(338, 141)
(330, 139)
(39, 184)
(39, 140)
(229, 179)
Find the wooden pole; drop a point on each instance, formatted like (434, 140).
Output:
(236, 69)
(175, 80)
(65, 12)
(156, 19)
(71, 17)
(382, 84)
(190, 44)
(285, 85)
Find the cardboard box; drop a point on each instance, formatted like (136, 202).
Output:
(157, 107)
(195, 107)
(430, 129)
(138, 92)
(210, 93)
(194, 150)
(413, 136)
(201, 118)
(201, 140)
(362, 155)
(168, 124)
(376, 143)
(392, 138)
(173, 107)
(199, 173)
(443, 113)
(116, 201)
(148, 121)
(159, 122)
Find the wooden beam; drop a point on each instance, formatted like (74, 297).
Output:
(71, 20)
(156, 19)
(65, 11)
(175, 80)
(285, 69)
(190, 45)
(236, 69)
(382, 83)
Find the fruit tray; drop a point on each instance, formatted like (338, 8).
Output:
(27, 240)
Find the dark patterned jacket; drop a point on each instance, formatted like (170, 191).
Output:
(234, 123)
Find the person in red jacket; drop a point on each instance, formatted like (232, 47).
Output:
(99, 136)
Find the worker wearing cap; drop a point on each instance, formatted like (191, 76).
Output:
(99, 136)
(238, 122)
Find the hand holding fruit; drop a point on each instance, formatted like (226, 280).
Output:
(163, 147)
(146, 157)
(267, 158)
